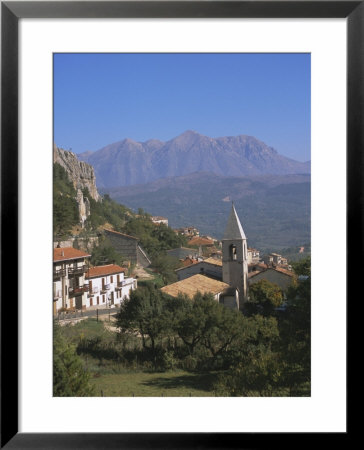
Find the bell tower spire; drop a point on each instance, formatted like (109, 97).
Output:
(235, 256)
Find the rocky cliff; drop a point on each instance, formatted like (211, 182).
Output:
(80, 173)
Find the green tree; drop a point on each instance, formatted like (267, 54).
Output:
(165, 266)
(105, 253)
(65, 207)
(264, 297)
(190, 319)
(303, 267)
(254, 363)
(144, 314)
(295, 329)
(70, 379)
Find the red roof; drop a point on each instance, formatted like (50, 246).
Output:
(285, 272)
(200, 241)
(100, 271)
(66, 253)
(189, 261)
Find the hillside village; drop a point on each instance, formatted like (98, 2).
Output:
(205, 263)
(175, 301)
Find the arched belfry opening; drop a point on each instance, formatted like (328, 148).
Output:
(232, 252)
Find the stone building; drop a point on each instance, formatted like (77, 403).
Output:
(235, 257)
(210, 267)
(128, 247)
(283, 278)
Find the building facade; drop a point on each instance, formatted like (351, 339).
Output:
(128, 247)
(69, 268)
(107, 286)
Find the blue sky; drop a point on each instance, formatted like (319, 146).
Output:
(103, 98)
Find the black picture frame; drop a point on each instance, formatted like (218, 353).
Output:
(11, 12)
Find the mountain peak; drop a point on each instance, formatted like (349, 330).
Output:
(129, 162)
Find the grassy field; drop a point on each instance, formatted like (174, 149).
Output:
(161, 384)
(112, 379)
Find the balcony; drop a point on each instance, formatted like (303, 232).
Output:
(77, 270)
(93, 291)
(105, 287)
(126, 282)
(59, 273)
(77, 291)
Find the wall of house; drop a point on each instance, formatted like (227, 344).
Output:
(64, 283)
(230, 301)
(126, 246)
(109, 290)
(283, 281)
(203, 268)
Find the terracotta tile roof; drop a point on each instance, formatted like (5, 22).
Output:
(255, 272)
(283, 271)
(66, 253)
(189, 261)
(200, 241)
(216, 262)
(100, 271)
(261, 265)
(190, 286)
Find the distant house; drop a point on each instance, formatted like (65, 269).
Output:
(69, 288)
(158, 220)
(107, 285)
(187, 231)
(128, 247)
(274, 259)
(253, 256)
(284, 278)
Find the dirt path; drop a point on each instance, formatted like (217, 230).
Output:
(142, 274)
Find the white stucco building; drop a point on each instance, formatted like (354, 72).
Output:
(107, 286)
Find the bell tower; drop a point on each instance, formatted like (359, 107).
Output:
(235, 256)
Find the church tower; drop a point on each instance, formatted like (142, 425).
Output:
(235, 257)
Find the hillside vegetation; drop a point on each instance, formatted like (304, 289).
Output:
(65, 207)
(275, 211)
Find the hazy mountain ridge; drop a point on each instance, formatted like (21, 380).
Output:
(128, 162)
(274, 209)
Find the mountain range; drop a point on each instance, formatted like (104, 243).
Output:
(128, 162)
